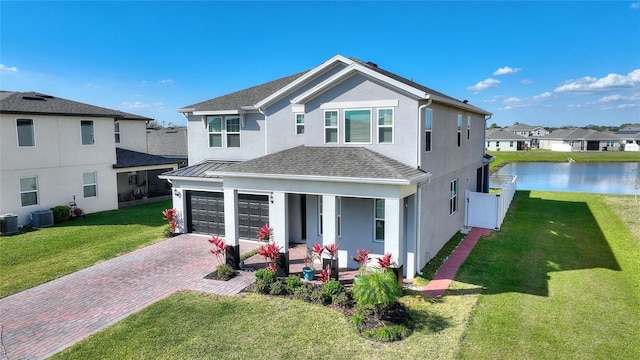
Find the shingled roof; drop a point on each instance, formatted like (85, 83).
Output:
(499, 134)
(332, 163)
(129, 158)
(13, 102)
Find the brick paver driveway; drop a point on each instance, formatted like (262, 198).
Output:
(43, 320)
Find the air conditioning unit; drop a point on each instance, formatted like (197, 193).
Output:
(8, 224)
(41, 218)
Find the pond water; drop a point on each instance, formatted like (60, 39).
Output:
(604, 178)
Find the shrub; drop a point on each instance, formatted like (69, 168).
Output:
(317, 297)
(60, 213)
(302, 293)
(277, 288)
(378, 289)
(357, 320)
(292, 283)
(225, 271)
(342, 300)
(388, 333)
(332, 288)
(264, 280)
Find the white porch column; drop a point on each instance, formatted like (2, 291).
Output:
(329, 220)
(231, 229)
(394, 229)
(278, 220)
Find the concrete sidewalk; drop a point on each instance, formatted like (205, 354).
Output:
(43, 320)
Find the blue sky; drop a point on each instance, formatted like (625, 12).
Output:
(541, 63)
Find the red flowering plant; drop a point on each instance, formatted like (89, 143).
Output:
(325, 275)
(385, 262)
(317, 250)
(219, 248)
(362, 259)
(270, 251)
(171, 216)
(265, 233)
(332, 250)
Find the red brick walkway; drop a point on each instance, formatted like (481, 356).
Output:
(43, 320)
(443, 278)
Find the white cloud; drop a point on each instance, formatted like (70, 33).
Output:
(609, 82)
(544, 95)
(526, 82)
(625, 106)
(135, 105)
(635, 5)
(506, 70)
(484, 84)
(166, 81)
(512, 100)
(612, 98)
(92, 86)
(7, 70)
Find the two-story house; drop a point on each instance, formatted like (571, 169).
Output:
(346, 153)
(54, 149)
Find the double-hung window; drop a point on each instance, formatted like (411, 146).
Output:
(385, 126)
(459, 133)
(357, 126)
(86, 129)
(378, 215)
(233, 131)
(116, 130)
(331, 127)
(299, 124)
(89, 184)
(29, 191)
(26, 135)
(453, 197)
(428, 119)
(215, 131)
(468, 127)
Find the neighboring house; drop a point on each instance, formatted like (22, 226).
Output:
(503, 140)
(576, 139)
(345, 153)
(532, 132)
(168, 142)
(629, 138)
(54, 150)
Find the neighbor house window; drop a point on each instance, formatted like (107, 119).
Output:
(215, 131)
(26, 135)
(488, 143)
(357, 126)
(116, 129)
(572, 143)
(428, 119)
(233, 131)
(510, 143)
(468, 127)
(29, 191)
(385, 126)
(459, 133)
(331, 127)
(89, 184)
(497, 143)
(379, 219)
(86, 128)
(133, 178)
(299, 124)
(453, 197)
(610, 143)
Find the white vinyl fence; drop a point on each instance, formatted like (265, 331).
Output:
(488, 210)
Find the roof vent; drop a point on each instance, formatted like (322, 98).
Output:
(372, 64)
(33, 98)
(44, 96)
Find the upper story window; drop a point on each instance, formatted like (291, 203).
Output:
(299, 124)
(26, 133)
(215, 131)
(428, 119)
(29, 191)
(459, 132)
(86, 129)
(453, 197)
(357, 126)
(468, 127)
(89, 184)
(385, 126)
(378, 217)
(233, 131)
(116, 130)
(331, 127)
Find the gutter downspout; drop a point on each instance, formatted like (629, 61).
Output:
(265, 129)
(419, 194)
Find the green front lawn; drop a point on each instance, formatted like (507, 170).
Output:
(560, 280)
(37, 256)
(537, 155)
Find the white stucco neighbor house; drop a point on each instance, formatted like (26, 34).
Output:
(577, 139)
(503, 140)
(54, 149)
(345, 153)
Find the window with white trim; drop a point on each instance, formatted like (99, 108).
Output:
(378, 219)
(510, 143)
(468, 127)
(215, 131)
(233, 131)
(428, 119)
(299, 124)
(26, 133)
(357, 126)
(610, 143)
(459, 133)
(488, 143)
(89, 184)
(132, 177)
(29, 191)
(453, 197)
(87, 132)
(385, 126)
(116, 130)
(497, 143)
(331, 127)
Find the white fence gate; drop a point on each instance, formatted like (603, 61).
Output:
(488, 210)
